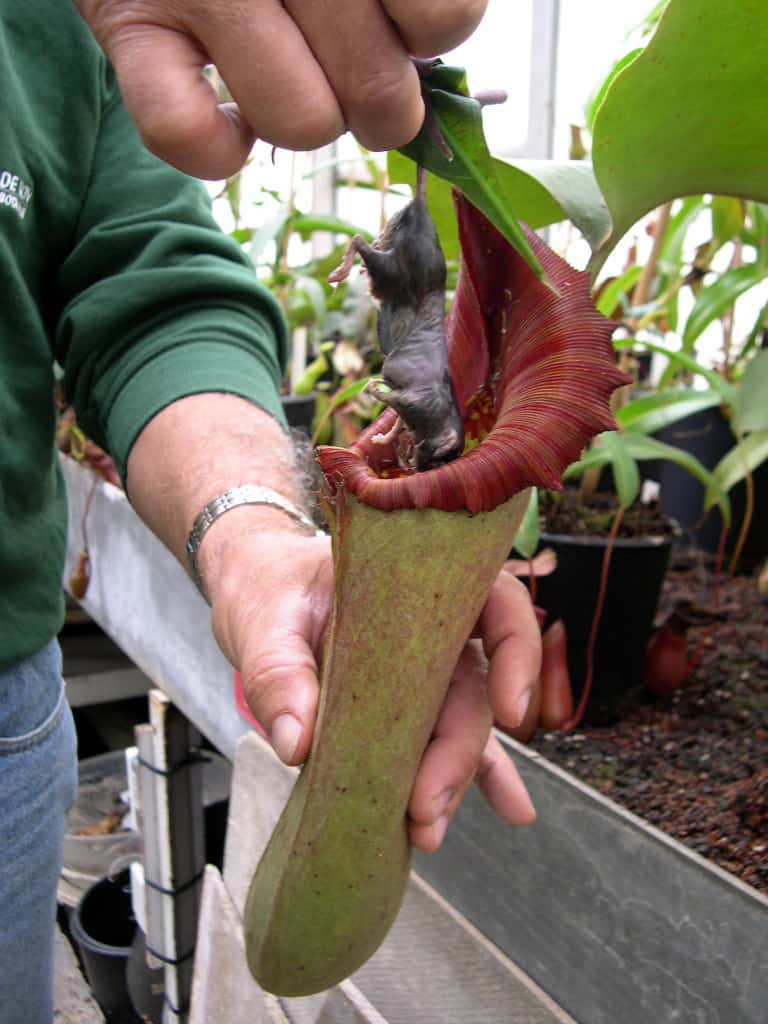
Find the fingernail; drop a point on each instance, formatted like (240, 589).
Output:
(522, 706)
(284, 736)
(440, 803)
(439, 829)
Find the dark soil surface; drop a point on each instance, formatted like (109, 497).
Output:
(695, 763)
(564, 513)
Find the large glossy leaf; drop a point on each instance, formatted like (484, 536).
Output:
(752, 402)
(714, 300)
(688, 115)
(573, 186)
(661, 409)
(743, 458)
(593, 103)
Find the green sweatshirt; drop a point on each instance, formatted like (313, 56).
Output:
(112, 265)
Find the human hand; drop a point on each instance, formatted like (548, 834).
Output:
(277, 644)
(300, 73)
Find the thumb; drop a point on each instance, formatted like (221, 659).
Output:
(175, 108)
(279, 677)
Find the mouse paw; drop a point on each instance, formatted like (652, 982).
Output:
(390, 435)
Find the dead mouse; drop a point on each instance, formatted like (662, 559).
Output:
(407, 272)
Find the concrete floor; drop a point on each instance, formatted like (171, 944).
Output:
(72, 999)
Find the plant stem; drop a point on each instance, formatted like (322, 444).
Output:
(642, 290)
(749, 508)
(571, 724)
(728, 316)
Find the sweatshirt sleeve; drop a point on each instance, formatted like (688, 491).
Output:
(154, 302)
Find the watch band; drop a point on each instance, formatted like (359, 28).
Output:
(247, 494)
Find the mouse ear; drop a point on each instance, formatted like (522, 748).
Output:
(533, 369)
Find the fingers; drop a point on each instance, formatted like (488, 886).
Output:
(512, 644)
(499, 781)
(367, 66)
(451, 759)
(280, 685)
(433, 27)
(300, 74)
(279, 84)
(460, 751)
(272, 629)
(175, 109)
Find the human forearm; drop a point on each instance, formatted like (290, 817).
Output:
(267, 579)
(199, 447)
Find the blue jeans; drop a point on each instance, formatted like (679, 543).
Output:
(38, 782)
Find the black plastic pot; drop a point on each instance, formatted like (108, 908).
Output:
(632, 593)
(146, 986)
(706, 435)
(103, 927)
(299, 411)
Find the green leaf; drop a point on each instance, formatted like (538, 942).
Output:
(459, 119)
(241, 235)
(306, 224)
(618, 289)
(649, 22)
(641, 447)
(751, 409)
(757, 233)
(626, 476)
(269, 232)
(541, 192)
(727, 219)
(573, 187)
(687, 116)
(314, 293)
(610, 448)
(595, 457)
(754, 336)
(743, 458)
(671, 255)
(724, 388)
(713, 301)
(593, 103)
(527, 537)
(651, 413)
